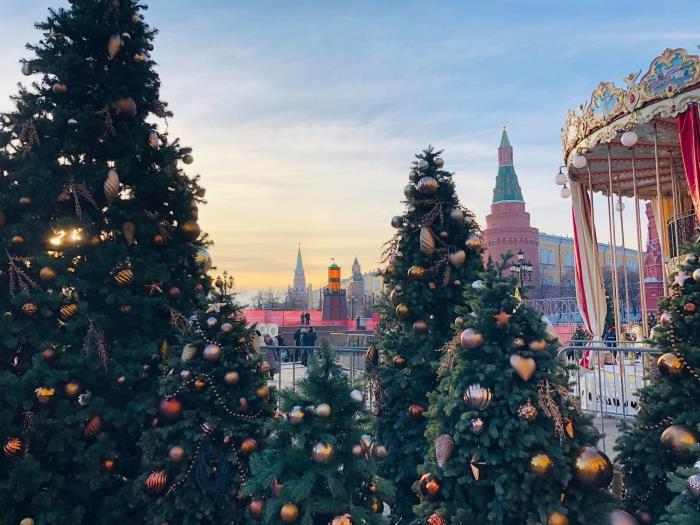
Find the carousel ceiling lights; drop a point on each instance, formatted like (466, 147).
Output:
(565, 192)
(561, 179)
(579, 162)
(629, 139)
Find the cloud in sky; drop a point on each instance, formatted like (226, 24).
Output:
(304, 116)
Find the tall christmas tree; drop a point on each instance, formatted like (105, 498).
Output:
(661, 438)
(318, 464)
(99, 254)
(215, 400)
(434, 252)
(508, 442)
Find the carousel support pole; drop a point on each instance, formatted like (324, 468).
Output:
(674, 200)
(613, 251)
(624, 255)
(640, 260)
(659, 210)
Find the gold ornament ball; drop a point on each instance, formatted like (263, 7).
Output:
(189, 230)
(199, 383)
(357, 451)
(323, 410)
(416, 411)
(527, 412)
(399, 362)
(72, 389)
(289, 512)
(262, 392)
(557, 518)
(592, 468)
(541, 464)
(44, 394)
(188, 159)
(107, 465)
(402, 311)
(17, 240)
(296, 415)
(670, 365)
(249, 446)
(232, 377)
(176, 454)
(679, 439)
(27, 521)
(380, 451)
(416, 273)
(696, 275)
(126, 106)
(212, 352)
(376, 506)
(47, 274)
(322, 452)
(620, 517)
(471, 339)
(170, 409)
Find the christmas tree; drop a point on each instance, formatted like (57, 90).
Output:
(667, 426)
(99, 254)
(435, 250)
(508, 442)
(214, 402)
(318, 463)
(684, 509)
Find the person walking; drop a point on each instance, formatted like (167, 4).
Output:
(271, 354)
(302, 317)
(307, 316)
(307, 341)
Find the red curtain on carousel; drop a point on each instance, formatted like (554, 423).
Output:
(688, 125)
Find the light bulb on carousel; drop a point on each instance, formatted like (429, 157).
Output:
(579, 162)
(629, 139)
(560, 179)
(565, 192)
(619, 205)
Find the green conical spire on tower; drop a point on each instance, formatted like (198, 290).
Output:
(300, 265)
(507, 187)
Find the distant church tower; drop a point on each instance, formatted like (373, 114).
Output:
(356, 292)
(298, 293)
(508, 224)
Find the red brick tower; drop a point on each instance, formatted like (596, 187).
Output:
(508, 224)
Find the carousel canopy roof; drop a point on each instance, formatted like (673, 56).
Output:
(648, 106)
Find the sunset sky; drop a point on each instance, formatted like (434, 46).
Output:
(304, 116)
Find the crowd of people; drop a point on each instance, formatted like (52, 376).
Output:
(277, 351)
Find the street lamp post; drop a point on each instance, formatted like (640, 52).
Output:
(522, 268)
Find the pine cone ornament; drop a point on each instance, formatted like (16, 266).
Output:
(443, 448)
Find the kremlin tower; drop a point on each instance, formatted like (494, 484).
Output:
(508, 224)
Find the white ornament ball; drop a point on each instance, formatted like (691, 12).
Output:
(579, 162)
(357, 396)
(629, 139)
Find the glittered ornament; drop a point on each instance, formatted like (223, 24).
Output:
(323, 410)
(436, 519)
(527, 412)
(693, 484)
(156, 482)
(541, 464)
(345, 519)
(476, 425)
(592, 468)
(444, 444)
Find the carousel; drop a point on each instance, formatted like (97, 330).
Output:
(640, 143)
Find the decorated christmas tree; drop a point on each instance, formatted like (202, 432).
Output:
(684, 509)
(435, 251)
(215, 400)
(508, 444)
(99, 255)
(318, 464)
(662, 437)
